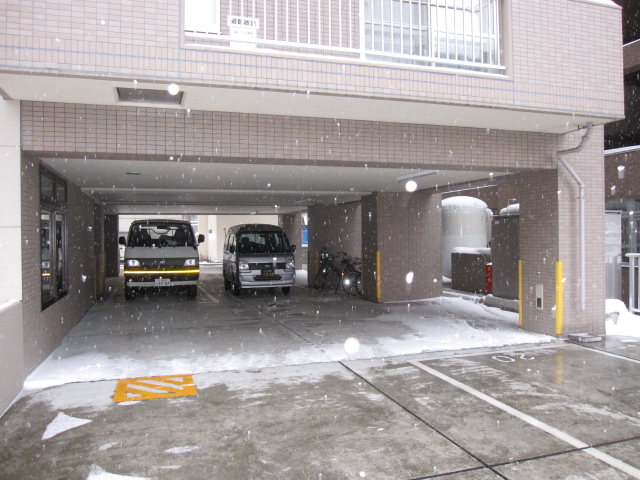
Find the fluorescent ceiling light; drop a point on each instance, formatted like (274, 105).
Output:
(421, 173)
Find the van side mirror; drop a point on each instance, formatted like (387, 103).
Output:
(200, 238)
(122, 241)
(232, 249)
(293, 249)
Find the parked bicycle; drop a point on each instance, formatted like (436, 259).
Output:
(347, 272)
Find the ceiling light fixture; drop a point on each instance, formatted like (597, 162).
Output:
(134, 173)
(421, 173)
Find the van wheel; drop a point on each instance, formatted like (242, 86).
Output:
(235, 287)
(129, 293)
(227, 283)
(192, 291)
(286, 290)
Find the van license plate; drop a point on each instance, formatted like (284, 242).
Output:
(268, 273)
(162, 282)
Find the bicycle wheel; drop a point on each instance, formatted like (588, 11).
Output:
(350, 283)
(321, 278)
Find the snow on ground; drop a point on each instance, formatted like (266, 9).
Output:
(444, 323)
(624, 323)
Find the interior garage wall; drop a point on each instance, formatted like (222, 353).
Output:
(44, 329)
(336, 227)
(403, 230)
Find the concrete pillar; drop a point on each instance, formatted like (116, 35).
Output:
(402, 246)
(111, 247)
(550, 244)
(336, 227)
(292, 226)
(10, 220)
(11, 312)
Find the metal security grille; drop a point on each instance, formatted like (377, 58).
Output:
(458, 33)
(441, 33)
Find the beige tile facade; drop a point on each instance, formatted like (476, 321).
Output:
(558, 54)
(561, 58)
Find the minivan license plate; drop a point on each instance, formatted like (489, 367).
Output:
(268, 273)
(163, 282)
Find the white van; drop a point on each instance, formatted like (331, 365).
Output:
(161, 254)
(258, 256)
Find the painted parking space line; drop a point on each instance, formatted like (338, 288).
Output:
(614, 462)
(208, 295)
(134, 389)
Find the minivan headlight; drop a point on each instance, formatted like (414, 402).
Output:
(291, 264)
(133, 263)
(190, 262)
(243, 265)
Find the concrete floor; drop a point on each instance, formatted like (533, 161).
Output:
(551, 410)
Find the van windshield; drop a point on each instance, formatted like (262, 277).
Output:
(263, 242)
(161, 235)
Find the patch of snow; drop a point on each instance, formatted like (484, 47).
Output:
(513, 209)
(473, 250)
(182, 449)
(624, 323)
(62, 423)
(98, 473)
(463, 203)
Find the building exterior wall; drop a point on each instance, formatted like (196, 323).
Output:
(45, 329)
(105, 132)
(144, 40)
(589, 165)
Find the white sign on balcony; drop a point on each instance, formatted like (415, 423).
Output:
(243, 29)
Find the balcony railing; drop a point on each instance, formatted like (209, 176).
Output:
(442, 33)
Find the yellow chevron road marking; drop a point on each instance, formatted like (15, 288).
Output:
(134, 389)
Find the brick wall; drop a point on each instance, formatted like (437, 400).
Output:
(336, 227)
(562, 56)
(406, 229)
(45, 329)
(75, 130)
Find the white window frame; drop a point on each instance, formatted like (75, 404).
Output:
(201, 17)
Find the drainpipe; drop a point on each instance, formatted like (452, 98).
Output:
(559, 155)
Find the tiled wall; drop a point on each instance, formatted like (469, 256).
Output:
(562, 56)
(158, 134)
(336, 227)
(45, 329)
(406, 230)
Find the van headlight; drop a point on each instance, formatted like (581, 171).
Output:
(133, 263)
(291, 264)
(243, 265)
(190, 262)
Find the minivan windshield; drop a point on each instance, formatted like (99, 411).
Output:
(263, 242)
(161, 235)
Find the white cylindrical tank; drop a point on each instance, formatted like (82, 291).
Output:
(465, 223)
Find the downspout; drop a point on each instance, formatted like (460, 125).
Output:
(559, 155)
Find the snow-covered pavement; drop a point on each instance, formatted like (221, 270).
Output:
(322, 386)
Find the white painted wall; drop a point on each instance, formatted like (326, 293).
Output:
(10, 199)
(11, 323)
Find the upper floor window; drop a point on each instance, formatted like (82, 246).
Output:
(202, 16)
(439, 33)
(455, 33)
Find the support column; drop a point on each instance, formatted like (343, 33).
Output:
(11, 311)
(402, 246)
(292, 226)
(550, 243)
(336, 227)
(111, 248)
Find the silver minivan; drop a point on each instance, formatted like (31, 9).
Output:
(161, 254)
(258, 256)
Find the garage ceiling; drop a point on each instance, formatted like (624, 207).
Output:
(125, 186)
